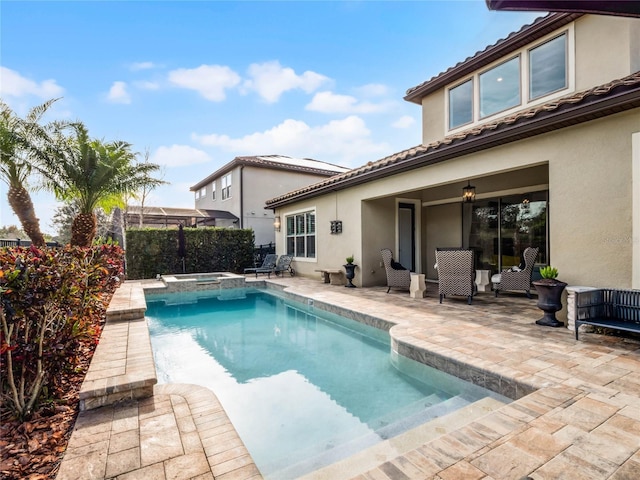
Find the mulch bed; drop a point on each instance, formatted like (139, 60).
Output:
(34, 449)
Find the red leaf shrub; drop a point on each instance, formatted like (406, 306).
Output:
(52, 300)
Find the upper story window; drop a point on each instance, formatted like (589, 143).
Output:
(213, 191)
(548, 67)
(529, 77)
(201, 193)
(301, 234)
(226, 186)
(500, 88)
(461, 104)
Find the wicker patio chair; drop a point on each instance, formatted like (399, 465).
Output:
(515, 278)
(397, 275)
(455, 273)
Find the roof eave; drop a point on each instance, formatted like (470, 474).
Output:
(244, 161)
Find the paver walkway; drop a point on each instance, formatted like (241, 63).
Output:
(582, 420)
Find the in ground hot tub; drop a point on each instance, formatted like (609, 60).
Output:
(202, 281)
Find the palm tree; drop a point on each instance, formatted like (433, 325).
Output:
(19, 139)
(92, 174)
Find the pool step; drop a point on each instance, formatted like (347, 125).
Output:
(347, 465)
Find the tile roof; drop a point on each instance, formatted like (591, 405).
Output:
(278, 162)
(613, 97)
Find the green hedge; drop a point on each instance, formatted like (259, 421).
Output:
(152, 251)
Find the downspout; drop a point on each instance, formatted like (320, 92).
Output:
(241, 198)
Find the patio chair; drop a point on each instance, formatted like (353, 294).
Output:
(517, 278)
(455, 273)
(268, 265)
(397, 275)
(284, 265)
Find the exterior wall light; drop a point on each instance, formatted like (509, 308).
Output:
(276, 223)
(469, 193)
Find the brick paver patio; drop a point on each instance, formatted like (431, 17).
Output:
(577, 413)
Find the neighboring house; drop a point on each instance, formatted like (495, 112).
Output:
(544, 124)
(242, 186)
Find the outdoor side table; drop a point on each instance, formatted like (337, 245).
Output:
(418, 287)
(482, 280)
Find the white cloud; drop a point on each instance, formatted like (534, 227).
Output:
(210, 81)
(270, 80)
(118, 93)
(179, 156)
(344, 142)
(405, 121)
(373, 90)
(329, 102)
(15, 85)
(142, 66)
(147, 85)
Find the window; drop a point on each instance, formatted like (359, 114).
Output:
(548, 67)
(500, 87)
(461, 104)
(226, 186)
(301, 234)
(213, 191)
(499, 229)
(201, 193)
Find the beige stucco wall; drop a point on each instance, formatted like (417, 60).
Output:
(443, 229)
(604, 49)
(433, 117)
(590, 202)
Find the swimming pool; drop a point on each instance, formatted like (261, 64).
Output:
(303, 388)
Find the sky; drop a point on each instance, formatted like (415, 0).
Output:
(197, 83)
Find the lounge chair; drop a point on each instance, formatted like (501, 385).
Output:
(397, 275)
(268, 265)
(517, 278)
(284, 265)
(455, 273)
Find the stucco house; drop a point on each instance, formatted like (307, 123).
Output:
(242, 186)
(541, 128)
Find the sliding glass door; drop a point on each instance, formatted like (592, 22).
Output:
(499, 229)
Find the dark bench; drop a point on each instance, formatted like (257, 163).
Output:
(608, 308)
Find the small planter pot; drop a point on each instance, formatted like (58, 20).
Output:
(549, 301)
(350, 272)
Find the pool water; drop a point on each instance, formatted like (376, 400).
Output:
(303, 388)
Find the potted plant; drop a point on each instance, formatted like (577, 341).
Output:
(549, 296)
(350, 269)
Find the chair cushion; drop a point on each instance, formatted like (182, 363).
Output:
(396, 266)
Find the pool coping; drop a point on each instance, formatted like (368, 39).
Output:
(553, 418)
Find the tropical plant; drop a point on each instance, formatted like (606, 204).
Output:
(19, 140)
(549, 272)
(92, 173)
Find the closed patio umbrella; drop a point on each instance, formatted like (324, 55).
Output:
(182, 246)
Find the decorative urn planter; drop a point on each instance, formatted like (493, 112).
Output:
(350, 271)
(549, 300)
